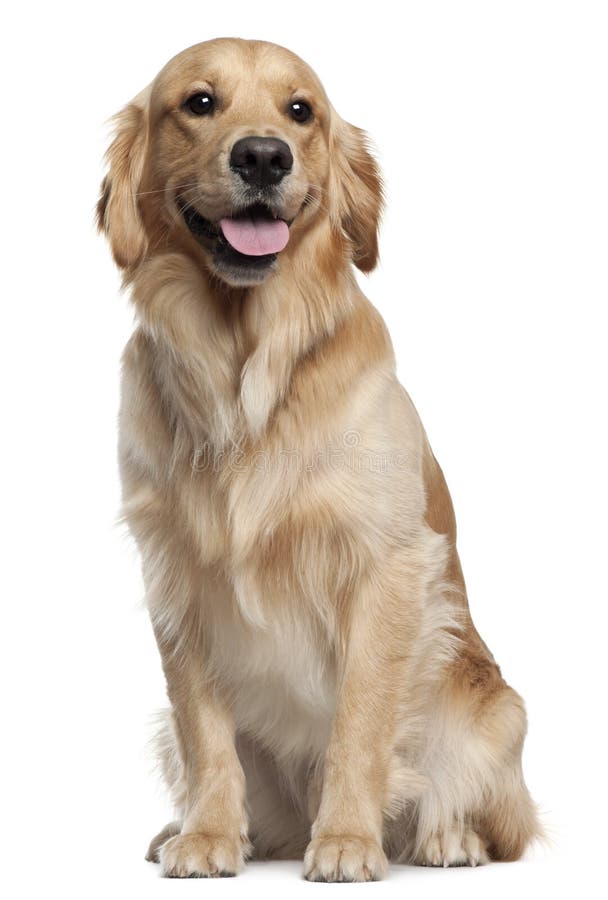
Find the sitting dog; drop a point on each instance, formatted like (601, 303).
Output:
(330, 697)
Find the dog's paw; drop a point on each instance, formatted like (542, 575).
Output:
(344, 858)
(202, 856)
(453, 847)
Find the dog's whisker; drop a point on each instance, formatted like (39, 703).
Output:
(164, 190)
(192, 203)
(311, 200)
(176, 187)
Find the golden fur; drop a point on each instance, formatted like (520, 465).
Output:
(330, 696)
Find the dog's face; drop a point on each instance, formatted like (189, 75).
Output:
(231, 155)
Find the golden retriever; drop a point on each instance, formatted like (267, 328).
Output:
(330, 697)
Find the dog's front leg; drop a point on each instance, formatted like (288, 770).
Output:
(346, 840)
(213, 837)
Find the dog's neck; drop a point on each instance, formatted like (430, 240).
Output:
(225, 358)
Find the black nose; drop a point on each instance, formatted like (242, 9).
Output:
(261, 160)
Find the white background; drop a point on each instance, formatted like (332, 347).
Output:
(491, 125)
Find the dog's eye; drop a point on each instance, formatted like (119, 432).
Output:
(200, 104)
(300, 111)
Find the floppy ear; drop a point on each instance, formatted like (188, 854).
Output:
(117, 209)
(355, 191)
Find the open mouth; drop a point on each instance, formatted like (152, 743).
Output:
(248, 241)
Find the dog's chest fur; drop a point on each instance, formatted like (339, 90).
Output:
(280, 675)
(270, 617)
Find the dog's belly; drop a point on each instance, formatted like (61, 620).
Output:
(281, 678)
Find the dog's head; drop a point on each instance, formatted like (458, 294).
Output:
(232, 155)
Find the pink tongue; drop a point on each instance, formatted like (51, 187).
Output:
(255, 236)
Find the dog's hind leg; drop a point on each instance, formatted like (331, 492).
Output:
(169, 831)
(478, 807)
(171, 767)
